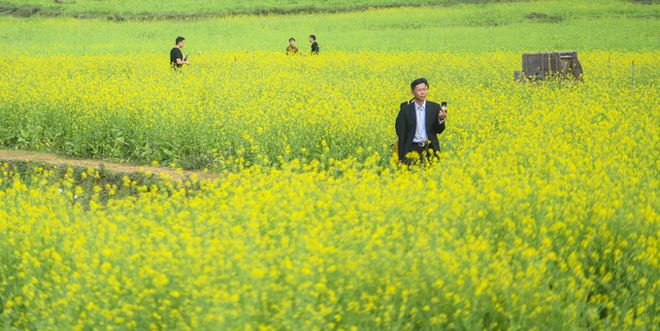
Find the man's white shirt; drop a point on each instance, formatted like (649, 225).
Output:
(420, 130)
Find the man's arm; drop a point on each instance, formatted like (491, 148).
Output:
(400, 127)
(440, 123)
(180, 60)
(440, 127)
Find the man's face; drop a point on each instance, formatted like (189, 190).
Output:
(311, 40)
(180, 44)
(420, 91)
(292, 43)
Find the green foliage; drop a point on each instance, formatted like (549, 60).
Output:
(117, 9)
(581, 25)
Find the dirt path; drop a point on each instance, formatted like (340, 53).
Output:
(49, 158)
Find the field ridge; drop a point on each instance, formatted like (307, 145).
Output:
(7, 155)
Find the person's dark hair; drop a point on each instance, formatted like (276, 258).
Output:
(313, 37)
(419, 81)
(292, 39)
(179, 39)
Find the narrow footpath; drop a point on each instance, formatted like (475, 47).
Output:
(52, 159)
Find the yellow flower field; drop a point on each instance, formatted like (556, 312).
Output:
(541, 213)
(252, 105)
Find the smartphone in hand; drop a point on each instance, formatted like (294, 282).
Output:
(186, 58)
(443, 105)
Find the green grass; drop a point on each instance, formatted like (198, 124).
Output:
(142, 8)
(580, 25)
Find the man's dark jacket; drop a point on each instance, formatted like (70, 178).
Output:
(406, 123)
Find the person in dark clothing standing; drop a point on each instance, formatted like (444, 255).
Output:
(315, 45)
(419, 123)
(176, 56)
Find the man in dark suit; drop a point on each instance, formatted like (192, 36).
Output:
(419, 123)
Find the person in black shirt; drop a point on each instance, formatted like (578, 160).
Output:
(315, 45)
(176, 56)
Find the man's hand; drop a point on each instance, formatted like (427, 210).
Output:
(442, 114)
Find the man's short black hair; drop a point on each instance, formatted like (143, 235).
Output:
(292, 39)
(313, 37)
(419, 81)
(179, 39)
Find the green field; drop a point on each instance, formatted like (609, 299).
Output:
(191, 8)
(519, 26)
